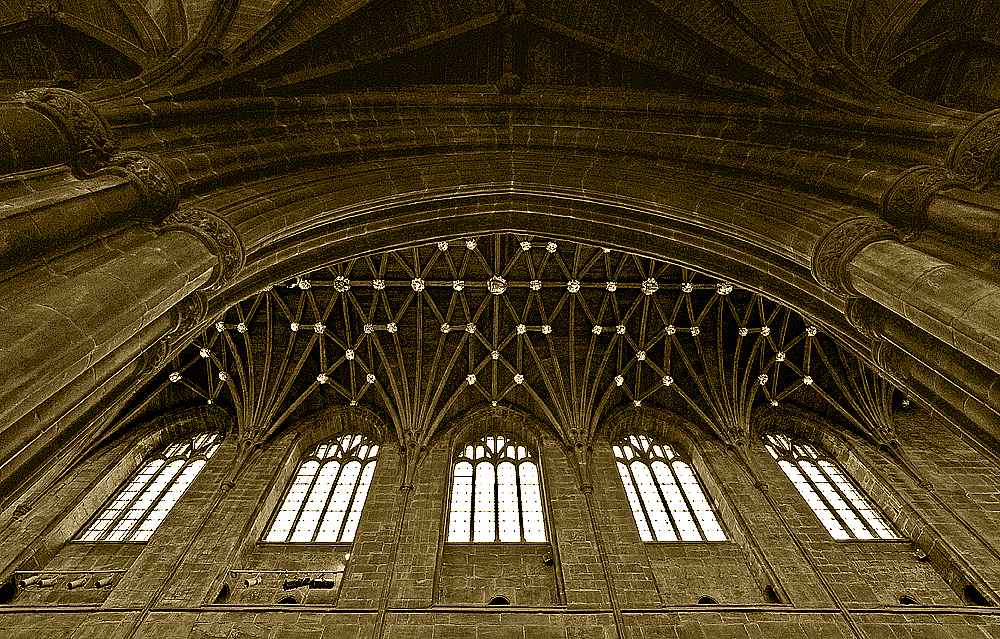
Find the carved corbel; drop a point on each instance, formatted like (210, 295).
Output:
(218, 236)
(156, 185)
(973, 155)
(88, 133)
(904, 204)
(838, 247)
(866, 316)
(892, 360)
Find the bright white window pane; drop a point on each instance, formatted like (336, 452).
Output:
(531, 502)
(290, 508)
(339, 501)
(484, 522)
(817, 505)
(168, 500)
(316, 503)
(654, 505)
(877, 523)
(633, 501)
(702, 509)
(358, 504)
(675, 501)
(834, 499)
(149, 495)
(122, 500)
(509, 524)
(461, 502)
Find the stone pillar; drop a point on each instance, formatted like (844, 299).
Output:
(132, 187)
(52, 333)
(49, 126)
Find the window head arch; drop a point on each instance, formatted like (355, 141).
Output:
(844, 510)
(496, 493)
(143, 502)
(666, 499)
(323, 504)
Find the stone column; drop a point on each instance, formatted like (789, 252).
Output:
(49, 126)
(53, 332)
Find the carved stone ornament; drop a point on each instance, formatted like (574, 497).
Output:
(88, 132)
(220, 238)
(904, 204)
(892, 360)
(190, 312)
(838, 247)
(154, 357)
(866, 316)
(973, 155)
(157, 186)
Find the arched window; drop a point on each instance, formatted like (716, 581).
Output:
(325, 500)
(845, 512)
(140, 505)
(664, 493)
(496, 494)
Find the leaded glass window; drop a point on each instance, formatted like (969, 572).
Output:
(842, 508)
(327, 495)
(496, 493)
(142, 503)
(666, 499)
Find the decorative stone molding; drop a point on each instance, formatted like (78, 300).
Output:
(154, 357)
(973, 155)
(157, 186)
(838, 247)
(220, 238)
(892, 360)
(88, 132)
(866, 316)
(190, 312)
(904, 204)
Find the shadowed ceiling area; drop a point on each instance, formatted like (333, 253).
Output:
(566, 331)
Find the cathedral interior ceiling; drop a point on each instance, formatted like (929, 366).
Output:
(565, 331)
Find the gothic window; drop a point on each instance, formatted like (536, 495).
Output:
(327, 495)
(496, 494)
(666, 499)
(845, 512)
(140, 505)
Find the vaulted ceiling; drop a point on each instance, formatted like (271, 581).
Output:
(939, 50)
(565, 331)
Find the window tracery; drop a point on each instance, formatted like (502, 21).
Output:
(142, 503)
(667, 501)
(840, 506)
(324, 502)
(496, 493)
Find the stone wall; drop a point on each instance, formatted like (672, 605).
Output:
(780, 573)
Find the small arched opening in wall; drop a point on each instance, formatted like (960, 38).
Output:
(907, 600)
(770, 595)
(708, 600)
(499, 600)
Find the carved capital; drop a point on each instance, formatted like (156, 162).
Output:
(904, 204)
(866, 316)
(190, 312)
(88, 132)
(154, 357)
(838, 247)
(157, 186)
(892, 360)
(220, 238)
(973, 155)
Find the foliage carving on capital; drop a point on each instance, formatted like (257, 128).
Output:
(838, 247)
(866, 316)
(88, 132)
(217, 234)
(158, 187)
(973, 156)
(904, 204)
(190, 312)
